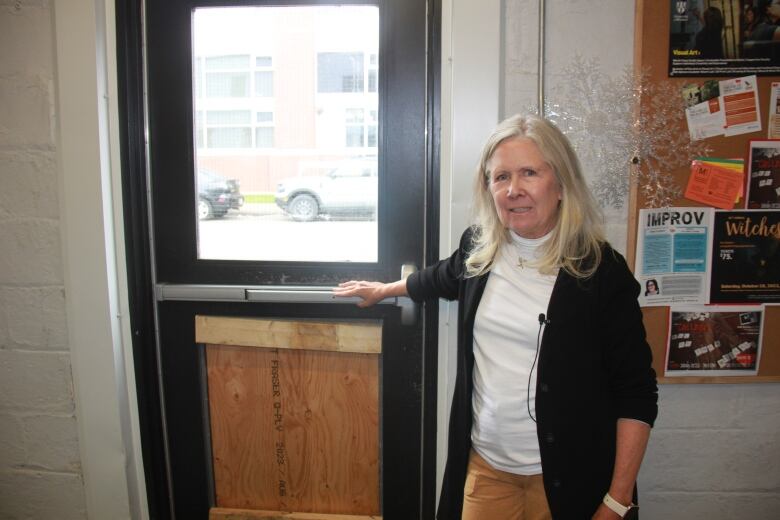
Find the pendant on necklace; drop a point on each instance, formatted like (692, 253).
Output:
(521, 262)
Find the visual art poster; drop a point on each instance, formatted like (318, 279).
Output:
(673, 255)
(745, 257)
(714, 341)
(724, 38)
(764, 174)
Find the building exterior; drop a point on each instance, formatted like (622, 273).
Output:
(284, 91)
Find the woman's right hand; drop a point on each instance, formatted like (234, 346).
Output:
(370, 292)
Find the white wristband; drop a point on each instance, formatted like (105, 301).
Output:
(616, 506)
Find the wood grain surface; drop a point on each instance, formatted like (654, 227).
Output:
(217, 513)
(294, 430)
(335, 336)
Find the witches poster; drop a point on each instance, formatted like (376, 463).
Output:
(746, 257)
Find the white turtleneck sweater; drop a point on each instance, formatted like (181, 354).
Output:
(506, 329)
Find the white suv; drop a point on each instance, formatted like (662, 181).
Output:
(349, 190)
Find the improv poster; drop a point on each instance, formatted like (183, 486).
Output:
(723, 38)
(745, 257)
(714, 341)
(673, 255)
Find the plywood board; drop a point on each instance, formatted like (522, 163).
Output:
(294, 430)
(336, 336)
(217, 513)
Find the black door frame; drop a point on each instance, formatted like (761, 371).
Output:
(137, 228)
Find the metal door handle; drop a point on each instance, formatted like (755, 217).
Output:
(276, 293)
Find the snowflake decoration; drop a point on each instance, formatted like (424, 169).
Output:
(616, 141)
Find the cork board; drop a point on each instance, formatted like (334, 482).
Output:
(294, 428)
(651, 50)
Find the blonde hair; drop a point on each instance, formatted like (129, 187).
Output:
(577, 238)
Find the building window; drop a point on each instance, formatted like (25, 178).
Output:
(227, 62)
(197, 72)
(373, 68)
(264, 137)
(354, 127)
(229, 137)
(361, 131)
(228, 129)
(340, 72)
(227, 76)
(264, 76)
(372, 129)
(264, 131)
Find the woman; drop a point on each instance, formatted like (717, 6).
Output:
(761, 42)
(709, 40)
(651, 287)
(555, 394)
(750, 20)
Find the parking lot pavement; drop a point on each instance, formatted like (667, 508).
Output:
(259, 209)
(262, 233)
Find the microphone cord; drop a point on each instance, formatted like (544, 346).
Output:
(542, 321)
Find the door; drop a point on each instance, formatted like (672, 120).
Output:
(287, 150)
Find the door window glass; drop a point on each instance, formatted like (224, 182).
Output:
(286, 124)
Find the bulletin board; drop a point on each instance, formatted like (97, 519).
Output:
(651, 51)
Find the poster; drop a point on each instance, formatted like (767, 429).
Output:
(673, 255)
(739, 100)
(773, 130)
(705, 119)
(714, 341)
(698, 91)
(763, 168)
(745, 257)
(715, 184)
(730, 109)
(725, 39)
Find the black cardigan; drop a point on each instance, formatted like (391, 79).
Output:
(594, 367)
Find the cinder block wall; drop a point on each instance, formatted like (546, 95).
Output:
(40, 473)
(714, 453)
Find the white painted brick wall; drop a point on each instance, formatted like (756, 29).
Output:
(714, 453)
(41, 495)
(36, 317)
(40, 469)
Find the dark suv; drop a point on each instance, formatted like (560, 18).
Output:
(216, 195)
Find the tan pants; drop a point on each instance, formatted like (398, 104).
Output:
(492, 494)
